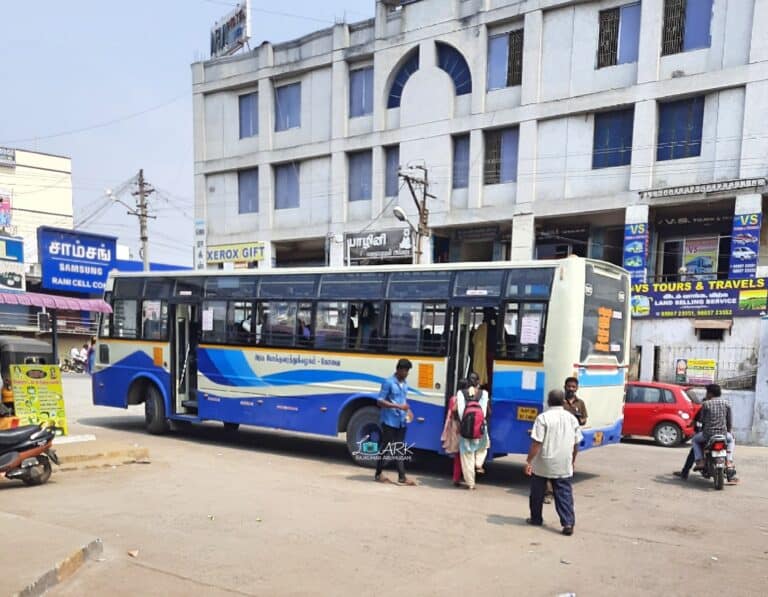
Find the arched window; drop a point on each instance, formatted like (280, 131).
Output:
(409, 66)
(451, 61)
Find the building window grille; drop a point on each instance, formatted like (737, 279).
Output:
(248, 191)
(619, 37)
(505, 60)
(288, 107)
(391, 182)
(686, 26)
(501, 156)
(360, 175)
(287, 193)
(680, 129)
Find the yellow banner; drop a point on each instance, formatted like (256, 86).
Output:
(236, 253)
(38, 396)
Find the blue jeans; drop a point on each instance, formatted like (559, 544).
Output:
(699, 441)
(563, 499)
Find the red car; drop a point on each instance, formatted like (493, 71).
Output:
(664, 411)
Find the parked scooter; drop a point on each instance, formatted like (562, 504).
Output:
(26, 453)
(715, 455)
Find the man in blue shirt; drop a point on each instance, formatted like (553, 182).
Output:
(394, 419)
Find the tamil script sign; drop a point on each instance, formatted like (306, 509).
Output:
(701, 299)
(235, 253)
(711, 187)
(230, 33)
(383, 245)
(73, 261)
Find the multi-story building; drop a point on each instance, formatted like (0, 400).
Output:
(616, 129)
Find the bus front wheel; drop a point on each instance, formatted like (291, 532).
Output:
(154, 411)
(364, 436)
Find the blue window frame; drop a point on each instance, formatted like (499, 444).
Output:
(613, 138)
(461, 161)
(409, 66)
(505, 60)
(288, 107)
(501, 155)
(249, 115)
(680, 125)
(248, 191)
(391, 182)
(698, 19)
(450, 60)
(361, 92)
(360, 175)
(287, 194)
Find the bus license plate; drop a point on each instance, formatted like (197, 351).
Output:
(527, 413)
(598, 439)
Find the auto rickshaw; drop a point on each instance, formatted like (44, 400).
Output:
(15, 350)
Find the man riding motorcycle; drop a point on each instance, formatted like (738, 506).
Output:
(716, 419)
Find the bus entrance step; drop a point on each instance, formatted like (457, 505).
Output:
(189, 403)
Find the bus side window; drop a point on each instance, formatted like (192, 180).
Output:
(365, 335)
(218, 317)
(304, 330)
(404, 330)
(434, 328)
(154, 316)
(331, 324)
(523, 331)
(124, 318)
(279, 324)
(240, 324)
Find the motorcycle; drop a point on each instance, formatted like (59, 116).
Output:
(715, 455)
(73, 365)
(26, 453)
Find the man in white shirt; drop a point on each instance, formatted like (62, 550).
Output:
(554, 444)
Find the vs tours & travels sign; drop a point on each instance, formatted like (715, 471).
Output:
(75, 262)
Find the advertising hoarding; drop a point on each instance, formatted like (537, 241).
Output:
(383, 245)
(230, 33)
(745, 245)
(705, 299)
(635, 259)
(75, 261)
(235, 253)
(12, 277)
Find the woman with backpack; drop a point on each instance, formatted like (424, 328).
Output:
(472, 406)
(451, 435)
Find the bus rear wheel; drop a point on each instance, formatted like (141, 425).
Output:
(364, 436)
(154, 411)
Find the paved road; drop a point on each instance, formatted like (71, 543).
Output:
(262, 513)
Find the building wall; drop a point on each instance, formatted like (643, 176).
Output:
(41, 190)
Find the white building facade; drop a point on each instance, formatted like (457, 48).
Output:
(546, 128)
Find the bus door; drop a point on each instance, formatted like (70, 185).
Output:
(184, 340)
(473, 342)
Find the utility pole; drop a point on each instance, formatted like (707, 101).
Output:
(141, 212)
(422, 230)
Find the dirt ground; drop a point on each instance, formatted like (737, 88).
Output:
(264, 513)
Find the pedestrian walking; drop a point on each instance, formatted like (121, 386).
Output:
(394, 421)
(451, 436)
(574, 405)
(472, 406)
(554, 444)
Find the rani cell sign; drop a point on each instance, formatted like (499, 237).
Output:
(75, 262)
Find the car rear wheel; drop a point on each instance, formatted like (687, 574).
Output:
(667, 434)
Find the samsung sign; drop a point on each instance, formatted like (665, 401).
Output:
(73, 261)
(231, 33)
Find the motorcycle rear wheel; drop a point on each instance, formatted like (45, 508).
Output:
(38, 475)
(719, 478)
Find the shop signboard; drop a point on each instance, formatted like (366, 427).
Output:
(382, 245)
(745, 245)
(636, 251)
(5, 208)
(12, 278)
(701, 299)
(73, 261)
(697, 372)
(700, 258)
(200, 250)
(38, 397)
(235, 253)
(231, 32)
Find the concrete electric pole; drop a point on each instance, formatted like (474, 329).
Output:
(141, 212)
(422, 230)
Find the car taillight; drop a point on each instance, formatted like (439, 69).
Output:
(718, 446)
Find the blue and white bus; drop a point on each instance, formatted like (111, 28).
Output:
(306, 349)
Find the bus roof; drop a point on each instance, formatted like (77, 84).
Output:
(472, 265)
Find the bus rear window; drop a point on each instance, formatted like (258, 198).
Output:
(605, 315)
